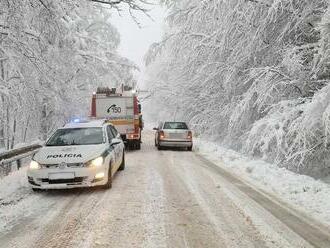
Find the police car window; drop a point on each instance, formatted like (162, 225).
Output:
(175, 125)
(76, 136)
(110, 134)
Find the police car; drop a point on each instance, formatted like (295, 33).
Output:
(78, 155)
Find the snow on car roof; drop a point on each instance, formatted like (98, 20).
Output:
(85, 124)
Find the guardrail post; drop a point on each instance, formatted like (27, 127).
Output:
(7, 158)
(18, 162)
(8, 168)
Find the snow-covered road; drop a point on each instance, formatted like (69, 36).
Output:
(162, 199)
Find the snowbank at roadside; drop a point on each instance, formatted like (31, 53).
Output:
(17, 200)
(15, 183)
(303, 192)
(14, 200)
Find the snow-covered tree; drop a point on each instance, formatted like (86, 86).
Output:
(53, 55)
(251, 74)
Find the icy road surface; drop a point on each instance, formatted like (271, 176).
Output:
(162, 199)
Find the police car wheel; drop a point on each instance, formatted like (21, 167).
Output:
(108, 185)
(122, 165)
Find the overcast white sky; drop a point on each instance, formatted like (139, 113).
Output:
(135, 41)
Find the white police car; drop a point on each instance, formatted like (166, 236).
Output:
(78, 155)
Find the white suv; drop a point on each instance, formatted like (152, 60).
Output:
(173, 134)
(78, 155)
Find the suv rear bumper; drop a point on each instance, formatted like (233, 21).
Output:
(176, 143)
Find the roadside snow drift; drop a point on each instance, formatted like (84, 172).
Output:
(303, 192)
(17, 200)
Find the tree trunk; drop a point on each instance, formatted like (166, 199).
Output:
(7, 128)
(26, 129)
(44, 129)
(13, 135)
(2, 126)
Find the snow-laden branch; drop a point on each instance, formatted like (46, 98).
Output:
(253, 74)
(53, 54)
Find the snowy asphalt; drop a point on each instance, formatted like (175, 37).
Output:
(162, 199)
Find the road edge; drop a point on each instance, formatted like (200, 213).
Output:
(315, 233)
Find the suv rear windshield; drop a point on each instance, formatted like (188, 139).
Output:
(175, 125)
(76, 136)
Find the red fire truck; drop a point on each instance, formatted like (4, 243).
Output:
(123, 110)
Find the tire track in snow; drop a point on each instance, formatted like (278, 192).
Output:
(162, 199)
(73, 221)
(217, 208)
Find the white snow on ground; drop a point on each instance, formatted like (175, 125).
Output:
(302, 192)
(13, 183)
(14, 198)
(17, 200)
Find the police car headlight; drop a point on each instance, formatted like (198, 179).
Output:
(98, 162)
(34, 165)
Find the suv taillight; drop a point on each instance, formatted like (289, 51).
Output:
(189, 135)
(161, 135)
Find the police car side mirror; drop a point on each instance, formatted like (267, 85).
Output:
(115, 142)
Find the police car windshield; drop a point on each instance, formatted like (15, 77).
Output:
(175, 125)
(76, 136)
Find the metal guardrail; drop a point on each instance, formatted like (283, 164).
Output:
(18, 151)
(15, 155)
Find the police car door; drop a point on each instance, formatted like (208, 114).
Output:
(119, 148)
(112, 148)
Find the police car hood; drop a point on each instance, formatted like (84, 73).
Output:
(69, 154)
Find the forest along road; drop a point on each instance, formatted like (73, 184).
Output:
(164, 199)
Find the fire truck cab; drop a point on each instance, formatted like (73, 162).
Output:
(123, 110)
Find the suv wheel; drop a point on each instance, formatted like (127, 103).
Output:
(138, 145)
